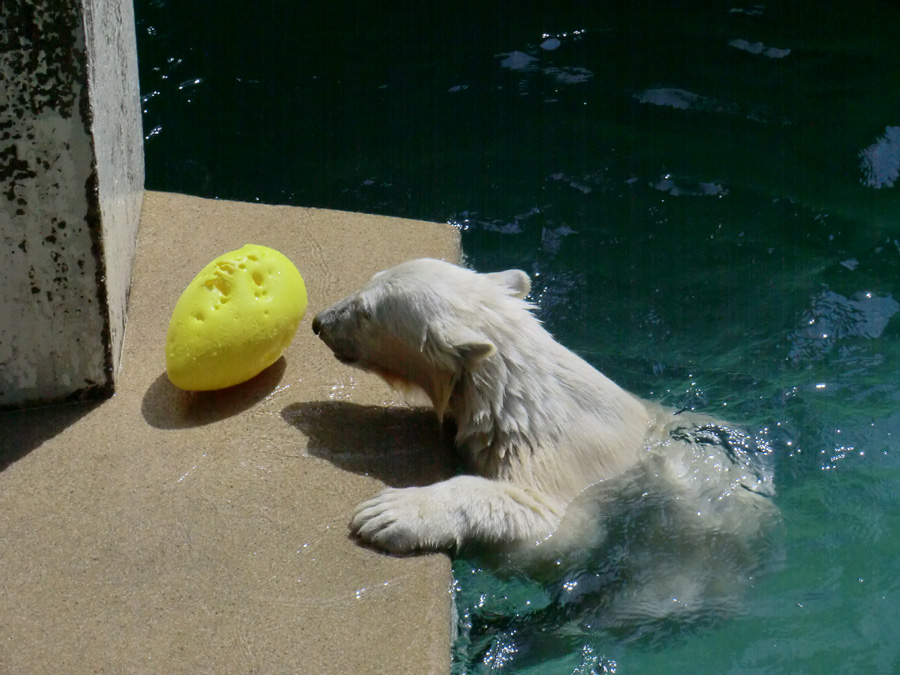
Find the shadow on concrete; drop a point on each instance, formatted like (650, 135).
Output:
(165, 406)
(399, 446)
(21, 431)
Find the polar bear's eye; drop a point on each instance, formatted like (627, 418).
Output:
(363, 312)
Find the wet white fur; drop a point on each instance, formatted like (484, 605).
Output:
(537, 425)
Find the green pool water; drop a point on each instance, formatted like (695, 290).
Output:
(704, 194)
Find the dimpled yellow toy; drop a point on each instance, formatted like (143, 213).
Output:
(234, 319)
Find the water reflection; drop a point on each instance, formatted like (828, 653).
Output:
(881, 160)
(554, 294)
(518, 61)
(833, 317)
(680, 99)
(695, 189)
(535, 59)
(759, 48)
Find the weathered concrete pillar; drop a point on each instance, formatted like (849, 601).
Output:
(71, 185)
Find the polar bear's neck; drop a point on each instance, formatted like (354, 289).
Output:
(535, 403)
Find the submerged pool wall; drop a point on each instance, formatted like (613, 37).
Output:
(72, 174)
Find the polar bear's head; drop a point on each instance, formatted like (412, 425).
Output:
(423, 322)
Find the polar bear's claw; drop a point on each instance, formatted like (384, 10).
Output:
(392, 520)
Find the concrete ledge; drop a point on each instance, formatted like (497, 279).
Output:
(167, 532)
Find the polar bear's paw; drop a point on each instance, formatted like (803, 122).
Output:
(402, 521)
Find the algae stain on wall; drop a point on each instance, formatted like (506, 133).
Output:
(56, 341)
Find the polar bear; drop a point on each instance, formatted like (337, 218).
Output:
(536, 424)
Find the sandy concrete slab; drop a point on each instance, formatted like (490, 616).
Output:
(167, 532)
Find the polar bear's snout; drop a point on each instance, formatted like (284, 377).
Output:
(333, 327)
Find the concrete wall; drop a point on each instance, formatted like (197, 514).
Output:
(71, 184)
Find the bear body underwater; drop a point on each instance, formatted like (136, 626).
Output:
(536, 424)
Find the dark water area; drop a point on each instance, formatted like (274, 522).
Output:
(704, 194)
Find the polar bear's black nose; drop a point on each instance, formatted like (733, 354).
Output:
(316, 325)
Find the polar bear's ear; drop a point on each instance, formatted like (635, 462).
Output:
(473, 352)
(470, 346)
(515, 282)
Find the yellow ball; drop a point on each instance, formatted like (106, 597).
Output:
(235, 319)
